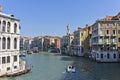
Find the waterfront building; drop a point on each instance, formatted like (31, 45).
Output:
(106, 39)
(25, 43)
(37, 43)
(66, 42)
(57, 42)
(9, 44)
(81, 43)
(22, 40)
(51, 42)
(77, 46)
(86, 40)
(44, 43)
(41, 39)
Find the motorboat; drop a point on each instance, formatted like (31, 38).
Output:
(71, 68)
(29, 52)
(36, 51)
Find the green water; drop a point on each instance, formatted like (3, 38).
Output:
(48, 66)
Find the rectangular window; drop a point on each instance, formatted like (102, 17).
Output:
(113, 31)
(118, 31)
(119, 55)
(3, 30)
(97, 55)
(101, 49)
(108, 48)
(3, 60)
(81, 34)
(8, 59)
(8, 68)
(15, 67)
(15, 58)
(102, 56)
(119, 39)
(107, 31)
(108, 56)
(114, 56)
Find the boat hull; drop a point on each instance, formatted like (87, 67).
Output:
(19, 72)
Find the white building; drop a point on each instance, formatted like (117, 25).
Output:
(25, 43)
(9, 44)
(78, 42)
(66, 42)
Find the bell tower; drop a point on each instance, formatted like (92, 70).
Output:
(68, 29)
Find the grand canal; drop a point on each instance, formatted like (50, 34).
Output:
(48, 66)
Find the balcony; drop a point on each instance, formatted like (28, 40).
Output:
(114, 43)
(113, 35)
(100, 42)
(107, 42)
(94, 43)
(101, 34)
(94, 35)
(107, 35)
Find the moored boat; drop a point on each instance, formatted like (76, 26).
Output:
(29, 52)
(36, 51)
(19, 72)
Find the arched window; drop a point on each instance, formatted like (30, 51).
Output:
(8, 43)
(108, 55)
(15, 28)
(15, 43)
(97, 55)
(8, 27)
(3, 26)
(3, 43)
(101, 55)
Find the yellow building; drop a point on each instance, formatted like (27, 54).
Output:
(81, 42)
(86, 40)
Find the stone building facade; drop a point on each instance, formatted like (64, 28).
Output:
(106, 39)
(9, 44)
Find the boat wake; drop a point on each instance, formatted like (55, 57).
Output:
(64, 72)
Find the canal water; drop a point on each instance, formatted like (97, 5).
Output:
(49, 66)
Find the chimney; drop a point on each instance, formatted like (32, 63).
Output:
(0, 8)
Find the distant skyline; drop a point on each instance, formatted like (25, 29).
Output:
(50, 17)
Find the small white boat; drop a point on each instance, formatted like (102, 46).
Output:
(71, 68)
(29, 52)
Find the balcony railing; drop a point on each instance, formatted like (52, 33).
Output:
(113, 35)
(107, 42)
(114, 42)
(94, 42)
(107, 35)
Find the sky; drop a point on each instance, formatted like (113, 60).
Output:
(50, 17)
